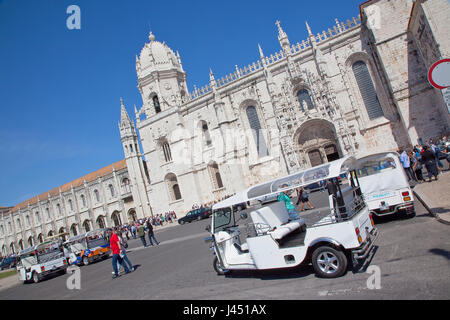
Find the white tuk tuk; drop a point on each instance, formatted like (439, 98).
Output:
(85, 248)
(41, 260)
(337, 229)
(385, 185)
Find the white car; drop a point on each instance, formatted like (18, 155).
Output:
(339, 228)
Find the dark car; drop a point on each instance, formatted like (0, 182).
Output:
(196, 214)
(8, 263)
(321, 185)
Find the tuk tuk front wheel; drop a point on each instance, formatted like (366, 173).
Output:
(329, 262)
(85, 260)
(220, 271)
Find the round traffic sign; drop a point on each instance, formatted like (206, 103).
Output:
(439, 74)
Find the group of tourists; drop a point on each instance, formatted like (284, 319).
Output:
(429, 156)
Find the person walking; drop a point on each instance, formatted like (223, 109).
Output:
(303, 197)
(429, 159)
(123, 252)
(141, 234)
(116, 258)
(417, 165)
(150, 233)
(406, 164)
(283, 197)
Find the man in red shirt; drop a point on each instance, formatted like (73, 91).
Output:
(115, 248)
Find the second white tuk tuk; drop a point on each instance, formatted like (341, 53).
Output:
(385, 185)
(337, 230)
(41, 260)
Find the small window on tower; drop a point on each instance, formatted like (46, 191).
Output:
(156, 104)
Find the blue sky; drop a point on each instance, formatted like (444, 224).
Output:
(60, 88)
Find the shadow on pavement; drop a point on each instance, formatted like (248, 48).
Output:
(441, 252)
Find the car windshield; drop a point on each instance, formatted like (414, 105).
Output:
(375, 166)
(222, 218)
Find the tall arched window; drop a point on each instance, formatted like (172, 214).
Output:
(206, 135)
(40, 238)
(73, 229)
(367, 90)
(38, 217)
(83, 200)
(58, 209)
(156, 104)
(305, 100)
(101, 222)
(19, 224)
(30, 241)
(173, 187)
(86, 226)
(97, 195)
(116, 218)
(126, 185)
(28, 220)
(21, 244)
(166, 151)
(215, 176)
(70, 204)
(48, 213)
(112, 191)
(255, 125)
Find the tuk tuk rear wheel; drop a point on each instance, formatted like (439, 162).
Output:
(218, 268)
(36, 277)
(329, 262)
(85, 260)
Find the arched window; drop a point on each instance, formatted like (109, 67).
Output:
(111, 190)
(126, 185)
(166, 151)
(40, 238)
(21, 244)
(19, 224)
(305, 100)
(48, 213)
(70, 204)
(28, 220)
(255, 125)
(73, 229)
(116, 219)
(30, 241)
(367, 90)
(11, 246)
(83, 200)
(58, 209)
(2, 230)
(9, 227)
(86, 226)
(101, 222)
(215, 176)
(156, 104)
(50, 233)
(97, 195)
(38, 217)
(206, 136)
(173, 187)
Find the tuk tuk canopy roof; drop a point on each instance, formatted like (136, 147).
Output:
(85, 235)
(301, 178)
(37, 247)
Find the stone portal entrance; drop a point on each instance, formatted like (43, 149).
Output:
(317, 143)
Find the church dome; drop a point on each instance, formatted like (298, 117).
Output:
(157, 56)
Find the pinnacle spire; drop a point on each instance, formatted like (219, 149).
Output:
(261, 54)
(282, 36)
(309, 28)
(124, 118)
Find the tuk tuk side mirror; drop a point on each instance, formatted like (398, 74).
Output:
(244, 216)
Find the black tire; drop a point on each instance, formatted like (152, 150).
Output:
(85, 260)
(35, 277)
(181, 222)
(199, 218)
(329, 262)
(218, 268)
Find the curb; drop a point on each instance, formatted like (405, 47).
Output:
(429, 209)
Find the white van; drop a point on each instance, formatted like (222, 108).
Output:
(39, 261)
(385, 185)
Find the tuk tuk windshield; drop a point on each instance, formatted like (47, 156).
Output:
(222, 218)
(49, 252)
(374, 166)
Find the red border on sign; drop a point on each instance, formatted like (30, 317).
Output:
(434, 84)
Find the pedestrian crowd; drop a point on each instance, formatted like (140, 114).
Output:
(429, 156)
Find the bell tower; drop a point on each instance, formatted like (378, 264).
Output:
(161, 78)
(135, 164)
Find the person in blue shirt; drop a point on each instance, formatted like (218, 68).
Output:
(283, 197)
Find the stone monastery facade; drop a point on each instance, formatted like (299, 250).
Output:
(358, 88)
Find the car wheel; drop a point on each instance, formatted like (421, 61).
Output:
(329, 262)
(218, 268)
(199, 218)
(181, 222)
(36, 277)
(85, 260)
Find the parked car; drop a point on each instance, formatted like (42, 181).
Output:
(321, 185)
(196, 214)
(8, 263)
